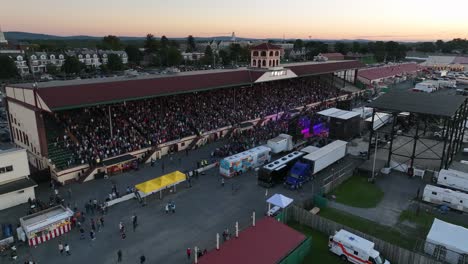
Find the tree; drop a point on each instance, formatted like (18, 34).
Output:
(111, 42)
(402, 51)
(72, 65)
(426, 47)
(151, 45)
(164, 42)
(298, 44)
(208, 58)
(224, 56)
(134, 54)
(191, 46)
(174, 58)
(114, 62)
(8, 68)
(440, 45)
(51, 69)
(356, 48)
(235, 51)
(392, 50)
(341, 48)
(378, 48)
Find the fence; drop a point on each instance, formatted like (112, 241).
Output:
(337, 177)
(391, 252)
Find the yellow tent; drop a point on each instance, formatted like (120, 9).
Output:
(162, 182)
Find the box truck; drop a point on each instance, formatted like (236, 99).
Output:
(354, 249)
(441, 196)
(453, 179)
(244, 161)
(281, 143)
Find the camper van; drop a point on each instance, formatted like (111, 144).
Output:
(354, 249)
(440, 196)
(453, 179)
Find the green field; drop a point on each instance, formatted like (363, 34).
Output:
(385, 233)
(319, 252)
(424, 220)
(358, 192)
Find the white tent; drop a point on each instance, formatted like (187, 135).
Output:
(450, 236)
(279, 201)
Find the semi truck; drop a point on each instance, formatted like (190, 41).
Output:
(354, 249)
(441, 196)
(312, 163)
(453, 179)
(244, 161)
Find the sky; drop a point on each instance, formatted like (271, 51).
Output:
(404, 20)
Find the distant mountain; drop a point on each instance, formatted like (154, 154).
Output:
(15, 35)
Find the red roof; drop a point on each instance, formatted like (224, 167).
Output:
(94, 93)
(266, 46)
(266, 243)
(59, 95)
(321, 68)
(388, 71)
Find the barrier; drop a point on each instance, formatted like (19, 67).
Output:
(120, 199)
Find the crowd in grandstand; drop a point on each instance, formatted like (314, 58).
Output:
(138, 124)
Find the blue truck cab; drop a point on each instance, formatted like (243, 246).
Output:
(299, 174)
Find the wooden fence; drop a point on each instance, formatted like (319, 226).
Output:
(395, 254)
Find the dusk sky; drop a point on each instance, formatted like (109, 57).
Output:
(331, 19)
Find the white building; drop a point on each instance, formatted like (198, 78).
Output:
(15, 186)
(20, 62)
(192, 56)
(38, 62)
(105, 54)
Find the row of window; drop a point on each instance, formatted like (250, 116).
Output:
(264, 53)
(6, 169)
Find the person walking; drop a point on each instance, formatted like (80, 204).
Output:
(134, 222)
(173, 207)
(167, 208)
(101, 219)
(67, 249)
(82, 233)
(222, 182)
(189, 252)
(60, 247)
(119, 256)
(91, 235)
(121, 227)
(142, 259)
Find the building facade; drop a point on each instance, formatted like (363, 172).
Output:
(265, 56)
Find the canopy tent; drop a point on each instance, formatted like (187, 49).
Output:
(279, 201)
(157, 184)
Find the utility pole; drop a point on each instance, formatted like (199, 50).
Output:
(375, 157)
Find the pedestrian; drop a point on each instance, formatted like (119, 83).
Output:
(121, 226)
(60, 247)
(67, 249)
(173, 207)
(101, 219)
(91, 235)
(167, 208)
(222, 182)
(142, 259)
(93, 225)
(123, 235)
(134, 222)
(186, 152)
(82, 235)
(119, 256)
(98, 226)
(56, 191)
(189, 252)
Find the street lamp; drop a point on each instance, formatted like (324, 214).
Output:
(375, 157)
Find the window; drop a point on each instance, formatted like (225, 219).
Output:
(255, 53)
(271, 53)
(263, 54)
(277, 53)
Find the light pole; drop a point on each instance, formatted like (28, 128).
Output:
(375, 157)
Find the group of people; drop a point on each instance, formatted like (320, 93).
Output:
(101, 132)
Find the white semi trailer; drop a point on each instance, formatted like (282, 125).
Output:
(453, 179)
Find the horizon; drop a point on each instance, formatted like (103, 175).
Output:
(405, 21)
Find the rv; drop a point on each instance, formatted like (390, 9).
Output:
(453, 179)
(244, 161)
(440, 196)
(276, 171)
(354, 249)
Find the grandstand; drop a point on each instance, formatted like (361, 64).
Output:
(73, 126)
(380, 74)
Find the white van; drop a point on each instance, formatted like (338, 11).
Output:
(354, 249)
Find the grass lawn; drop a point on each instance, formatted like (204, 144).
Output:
(319, 252)
(358, 192)
(424, 220)
(374, 229)
(368, 60)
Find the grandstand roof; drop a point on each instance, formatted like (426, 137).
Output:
(421, 103)
(388, 71)
(269, 241)
(59, 95)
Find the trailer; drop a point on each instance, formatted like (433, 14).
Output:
(244, 161)
(453, 179)
(380, 119)
(447, 242)
(276, 171)
(281, 143)
(441, 196)
(326, 155)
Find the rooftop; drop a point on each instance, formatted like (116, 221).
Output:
(268, 242)
(421, 103)
(388, 71)
(17, 185)
(266, 46)
(59, 95)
